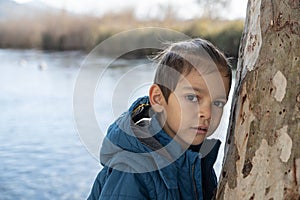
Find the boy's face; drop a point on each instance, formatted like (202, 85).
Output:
(195, 108)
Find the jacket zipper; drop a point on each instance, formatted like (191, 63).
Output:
(194, 181)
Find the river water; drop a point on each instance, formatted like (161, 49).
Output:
(42, 156)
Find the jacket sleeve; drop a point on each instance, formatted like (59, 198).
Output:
(96, 189)
(120, 185)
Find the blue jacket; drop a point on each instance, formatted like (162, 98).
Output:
(142, 162)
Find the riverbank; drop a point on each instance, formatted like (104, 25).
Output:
(64, 31)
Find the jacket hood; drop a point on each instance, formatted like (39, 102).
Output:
(137, 149)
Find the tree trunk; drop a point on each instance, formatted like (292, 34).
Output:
(262, 154)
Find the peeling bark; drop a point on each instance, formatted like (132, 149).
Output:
(262, 154)
(279, 81)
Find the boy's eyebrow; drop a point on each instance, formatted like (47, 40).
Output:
(193, 88)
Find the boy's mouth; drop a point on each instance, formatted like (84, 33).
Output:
(201, 130)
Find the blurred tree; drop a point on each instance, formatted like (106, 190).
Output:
(213, 8)
(262, 154)
(47, 41)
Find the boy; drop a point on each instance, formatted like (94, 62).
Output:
(152, 150)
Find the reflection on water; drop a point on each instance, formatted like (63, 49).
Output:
(41, 154)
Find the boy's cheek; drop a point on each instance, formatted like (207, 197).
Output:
(217, 113)
(215, 120)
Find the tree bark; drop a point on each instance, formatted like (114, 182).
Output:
(262, 154)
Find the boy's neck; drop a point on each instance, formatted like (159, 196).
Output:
(195, 148)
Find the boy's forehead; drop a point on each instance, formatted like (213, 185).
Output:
(214, 82)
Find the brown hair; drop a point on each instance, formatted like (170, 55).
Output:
(181, 58)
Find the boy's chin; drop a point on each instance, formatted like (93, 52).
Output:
(196, 141)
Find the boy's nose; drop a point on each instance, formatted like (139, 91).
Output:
(205, 111)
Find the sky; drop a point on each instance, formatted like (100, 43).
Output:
(143, 8)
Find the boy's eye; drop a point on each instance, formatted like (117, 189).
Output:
(192, 98)
(219, 104)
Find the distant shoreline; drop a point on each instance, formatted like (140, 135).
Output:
(64, 31)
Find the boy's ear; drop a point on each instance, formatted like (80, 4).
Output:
(156, 98)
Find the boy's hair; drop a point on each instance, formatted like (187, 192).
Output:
(181, 58)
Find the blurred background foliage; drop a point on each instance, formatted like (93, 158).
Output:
(68, 31)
